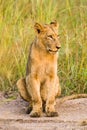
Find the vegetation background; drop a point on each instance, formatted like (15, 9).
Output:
(17, 18)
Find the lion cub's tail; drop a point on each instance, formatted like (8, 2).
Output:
(21, 85)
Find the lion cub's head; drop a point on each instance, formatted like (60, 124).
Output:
(48, 36)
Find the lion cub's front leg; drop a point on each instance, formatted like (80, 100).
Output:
(33, 87)
(50, 103)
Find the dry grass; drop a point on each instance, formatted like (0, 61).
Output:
(16, 33)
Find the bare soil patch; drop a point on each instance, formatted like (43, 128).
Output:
(71, 113)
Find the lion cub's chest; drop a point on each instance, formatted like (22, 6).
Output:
(45, 69)
(43, 65)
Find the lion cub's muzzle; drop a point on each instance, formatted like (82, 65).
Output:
(53, 50)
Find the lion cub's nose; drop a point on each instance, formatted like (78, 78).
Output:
(58, 47)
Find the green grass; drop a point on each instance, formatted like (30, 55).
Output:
(16, 33)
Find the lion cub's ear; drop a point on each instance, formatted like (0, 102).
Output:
(54, 24)
(39, 28)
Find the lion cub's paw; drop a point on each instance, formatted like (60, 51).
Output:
(52, 114)
(35, 114)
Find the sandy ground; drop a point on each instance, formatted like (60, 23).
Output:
(71, 113)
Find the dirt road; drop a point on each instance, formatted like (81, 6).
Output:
(71, 113)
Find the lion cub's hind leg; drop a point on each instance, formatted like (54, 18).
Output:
(21, 85)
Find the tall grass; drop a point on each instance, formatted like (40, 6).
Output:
(16, 33)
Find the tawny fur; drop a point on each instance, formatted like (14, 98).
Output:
(41, 86)
(73, 96)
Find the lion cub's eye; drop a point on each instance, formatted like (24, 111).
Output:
(50, 36)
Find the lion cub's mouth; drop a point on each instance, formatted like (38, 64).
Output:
(52, 51)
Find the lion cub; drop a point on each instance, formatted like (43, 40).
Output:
(40, 87)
